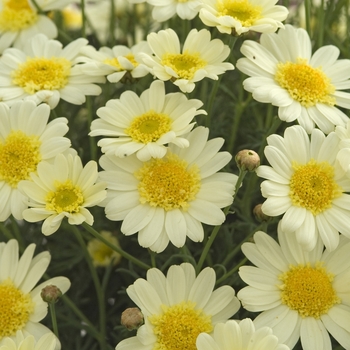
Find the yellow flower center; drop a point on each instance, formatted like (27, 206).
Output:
(179, 325)
(66, 198)
(149, 127)
(19, 156)
(305, 84)
(312, 186)
(15, 309)
(115, 62)
(16, 15)
(308, 290)
(168, 183)
(42, 74)
(184, 64)
(241, 10)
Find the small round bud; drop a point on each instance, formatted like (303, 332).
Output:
(132, 318)
(259, 215)
(247, 160)
(51, 294)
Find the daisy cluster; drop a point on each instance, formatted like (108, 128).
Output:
(118, 121)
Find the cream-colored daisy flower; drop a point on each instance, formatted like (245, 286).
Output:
(101, 254)
(62, 189)
(299, 294)
(239, 335)
(43, 71)
(21, 305)
(306, 87)
(20, 21)
(26, 139)
(199, 58)
(47, 342)
(306, 184)
(168, 199)
(178, 307)
(145, 125)
(165, 9)
(240, 16)
(117, 63)
(343, 156)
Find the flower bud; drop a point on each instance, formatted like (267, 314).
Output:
(132, 318)
(50, 293)
(259, 215)
(247, 160)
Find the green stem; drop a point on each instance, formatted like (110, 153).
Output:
(308, 16)
(53, 318)
(96, 281)
(115, 248)
(83, 25)
(91, 328)
(216, 229)
(231, 272)
(17, 233)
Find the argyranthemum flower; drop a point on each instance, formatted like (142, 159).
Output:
(178, 307)
(21, 305)
(165, 9)
(63, 189)
(199, 58)
(26, 139)
(343, 155)
(169, 198)
(101, 254)
(43, 71)
(240, 16)
(306, 184)
(240, 335)
(300, 294)
(117, 63)
(145, 125)
(47, 342)
(20, 20)
(305, 87)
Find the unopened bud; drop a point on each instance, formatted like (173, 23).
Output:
(259, 215)
(132, 318)
(51, 294)
(247, 160)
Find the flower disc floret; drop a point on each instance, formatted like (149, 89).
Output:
(16, 15)
(15, 309)
(179, 326)
(42, 74)
(312, 186)
(168, 183)
(149, 127)
(19, 156)
(305, 84)
(242, 10)
(308, 290)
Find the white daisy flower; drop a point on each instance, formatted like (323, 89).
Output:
(300, 294)
(45, 72)
(26, 139)
(47, 342)
(145, 125)
(22, 307)
(240, 16)
(169, 198)
(305, 183)
(63, 189)
(305, 87)
(239, 335)
(20, 21)
(178, 307)
(165, 9)
(117, 63)
(199, 58)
